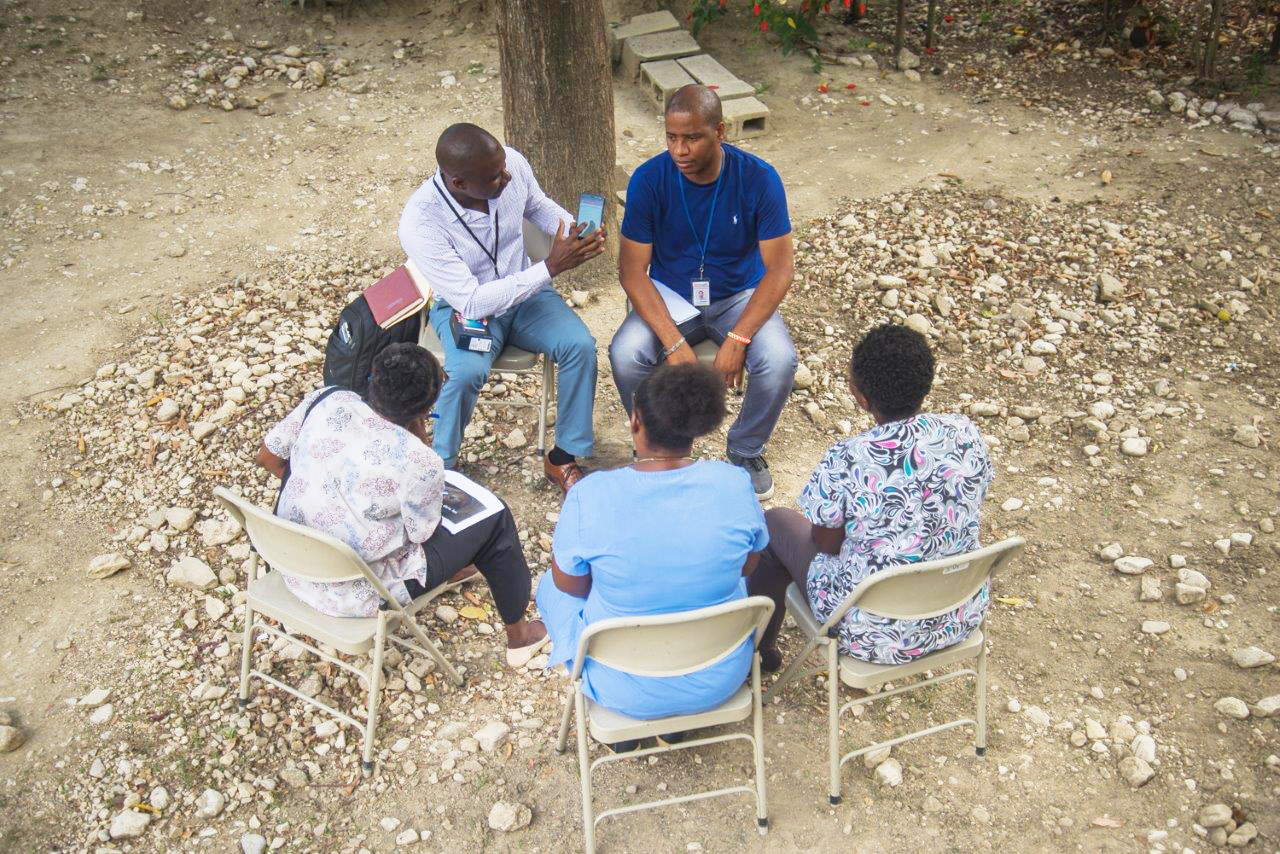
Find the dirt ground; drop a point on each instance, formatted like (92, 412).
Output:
(120, 213)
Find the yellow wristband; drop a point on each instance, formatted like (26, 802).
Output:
(739, 338)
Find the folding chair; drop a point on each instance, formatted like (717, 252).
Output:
(512, 359)
(668, 645)
(911, 591)
(304, 553)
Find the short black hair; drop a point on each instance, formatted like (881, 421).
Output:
(461, 144)
(404, 384)
(697, 100)
(893, 368)
(678, 403)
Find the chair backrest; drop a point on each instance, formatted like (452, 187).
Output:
(536, 244)
(294, 549)
(916, 591)
(677, 643)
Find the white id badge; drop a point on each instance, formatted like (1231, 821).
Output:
(701, 292)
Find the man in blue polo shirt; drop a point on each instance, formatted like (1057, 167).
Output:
(709, 222)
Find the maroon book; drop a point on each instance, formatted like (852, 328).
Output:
(394, 297)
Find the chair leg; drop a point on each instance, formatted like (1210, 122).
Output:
(548, 377)
(375, 693)
(833, 719)
(762, 804)
(411, 623)
(564, 722)
(246, 655)
(790, 669)
(584, 771)
(980, 690)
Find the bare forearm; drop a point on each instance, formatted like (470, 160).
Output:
(270, 461)
(647, 303)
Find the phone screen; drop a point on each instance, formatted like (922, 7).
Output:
(590, 211)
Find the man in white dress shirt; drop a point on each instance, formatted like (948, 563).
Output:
(463, 230)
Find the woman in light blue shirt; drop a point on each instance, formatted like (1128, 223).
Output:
(661, 535)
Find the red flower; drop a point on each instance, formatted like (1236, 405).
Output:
(764, 26)
(929, 51)
(722, 3)
(848, 3)
(826, 7)
(755, 10)
(949, 18)
(851, 86)
(822, 87)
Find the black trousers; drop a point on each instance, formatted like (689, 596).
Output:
(785, 561)
(493, 545)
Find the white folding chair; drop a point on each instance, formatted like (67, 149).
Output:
(301, 552)
(512, 359)
(907, 592)
(668, 645)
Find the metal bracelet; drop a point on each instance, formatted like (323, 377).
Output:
(674, 347)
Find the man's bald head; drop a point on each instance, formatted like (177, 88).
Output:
(696, 100)
(462, 146)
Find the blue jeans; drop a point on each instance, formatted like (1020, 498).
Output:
(770, 363)
(542, 324)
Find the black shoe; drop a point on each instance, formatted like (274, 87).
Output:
(758, 469)
(625, 746)
(673, 737)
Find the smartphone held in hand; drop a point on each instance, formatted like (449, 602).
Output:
(591, 212)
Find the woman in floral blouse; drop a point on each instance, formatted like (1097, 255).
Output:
(908, 490)
(364, 472)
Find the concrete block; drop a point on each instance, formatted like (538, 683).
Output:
(640, 25)
(621, 195)
(638, 50)
(662, 78)
(705, 70)
(744, 118)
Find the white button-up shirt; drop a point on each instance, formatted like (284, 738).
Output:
(458, 268)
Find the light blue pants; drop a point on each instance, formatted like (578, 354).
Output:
(770, 362)
(542, 324)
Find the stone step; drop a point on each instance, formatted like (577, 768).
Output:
(744, 118)
(640, 25)
(662, 78)
(638, 50)
(705, 70)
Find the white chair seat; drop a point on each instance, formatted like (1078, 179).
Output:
(512, 358)
(608, 726)
(706, 351)
(352, 635)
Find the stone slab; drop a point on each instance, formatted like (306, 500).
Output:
(662, 78)
(704, 69)
(745, 118)
(638, 50)
(640, 25)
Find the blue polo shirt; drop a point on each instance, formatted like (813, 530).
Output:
(749, 206)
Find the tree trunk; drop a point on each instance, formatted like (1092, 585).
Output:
(1274, 53)
(930, 29)
(1210, 53)
(557, 98)
(899, 34)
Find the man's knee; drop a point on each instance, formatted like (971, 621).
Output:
(468, 373)
(632, 347)
(772, 353)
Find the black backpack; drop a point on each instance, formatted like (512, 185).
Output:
(356, 340)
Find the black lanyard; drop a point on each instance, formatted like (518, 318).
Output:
(492, 256)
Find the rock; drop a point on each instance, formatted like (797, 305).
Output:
(491, 735)
(316, 72)
(191, 573)
(446, 614)
(210, 803)
(888, 773)
(1110, 289)
(253, 843)
(1133, 565)
(201, 430)
(506, 817)
(1149, 589)
(1134, 446)
(1111, 552)
(1033, 365)
(1247, 435)
(889, 299)
(94, 698)
(1177, 561)
(1268, 707)
(177, 102)
(11, 738)
(580, 298)
(1154, 627)
(907, 59)
(1135, 771)
(1155, 99)
(180, 518)
(1037, 716)
(218, 532)
(168, 409)
(981, 815)
(1185, 594)
(1251, 656)
(128, 825)
(389, 823)
(919, 323)
(1144, 747)
(159, 798)
(1094, 730)
(875, 757)
(1242, 835)
(408, 836)
(1011, 504)
(106, 565)
(1214, 815)
(101, 715)
(1232, 707)
(803, 377)
(1191, 578)
(515, 439)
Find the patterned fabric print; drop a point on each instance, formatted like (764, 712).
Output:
(371, 484)
(905, 492)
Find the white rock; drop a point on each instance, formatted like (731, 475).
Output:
(1144, 747)
(1232, 707)
(446, 614)
(1223, 545)
(1149, 589)
(210, 803)
(1267, 707)
(1247, 435)
(1214, 815)
(1192, 578)
(1134, 446)
(218, 532)
(873, 758)
(507, 817)
(389, 823)
(888, 773)
(407, 837)
(180, 518)
(1038, 716)
(328, 729)
(1185, 594)
(1111, 552)
(1133, 565)
(129, 825)
(1155, 627)
(803, 377)
(919, 323)
(102, 714)
(159, 798)
(1177, 561)
(515, 439)
(192, 573)
(106, 565)
(201, 430)
(1110, 288)
(11, 738)
(215, 608)
(1251, 656)
(253, 843)
(1242, 538)
(1135, 771)
(491, 735)
(1011, 504)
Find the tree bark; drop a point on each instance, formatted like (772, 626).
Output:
(1274, 53)
(899, 34)
(931, 27)
(557, 98)
(1210, 53)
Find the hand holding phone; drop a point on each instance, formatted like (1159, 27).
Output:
(590, 212)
